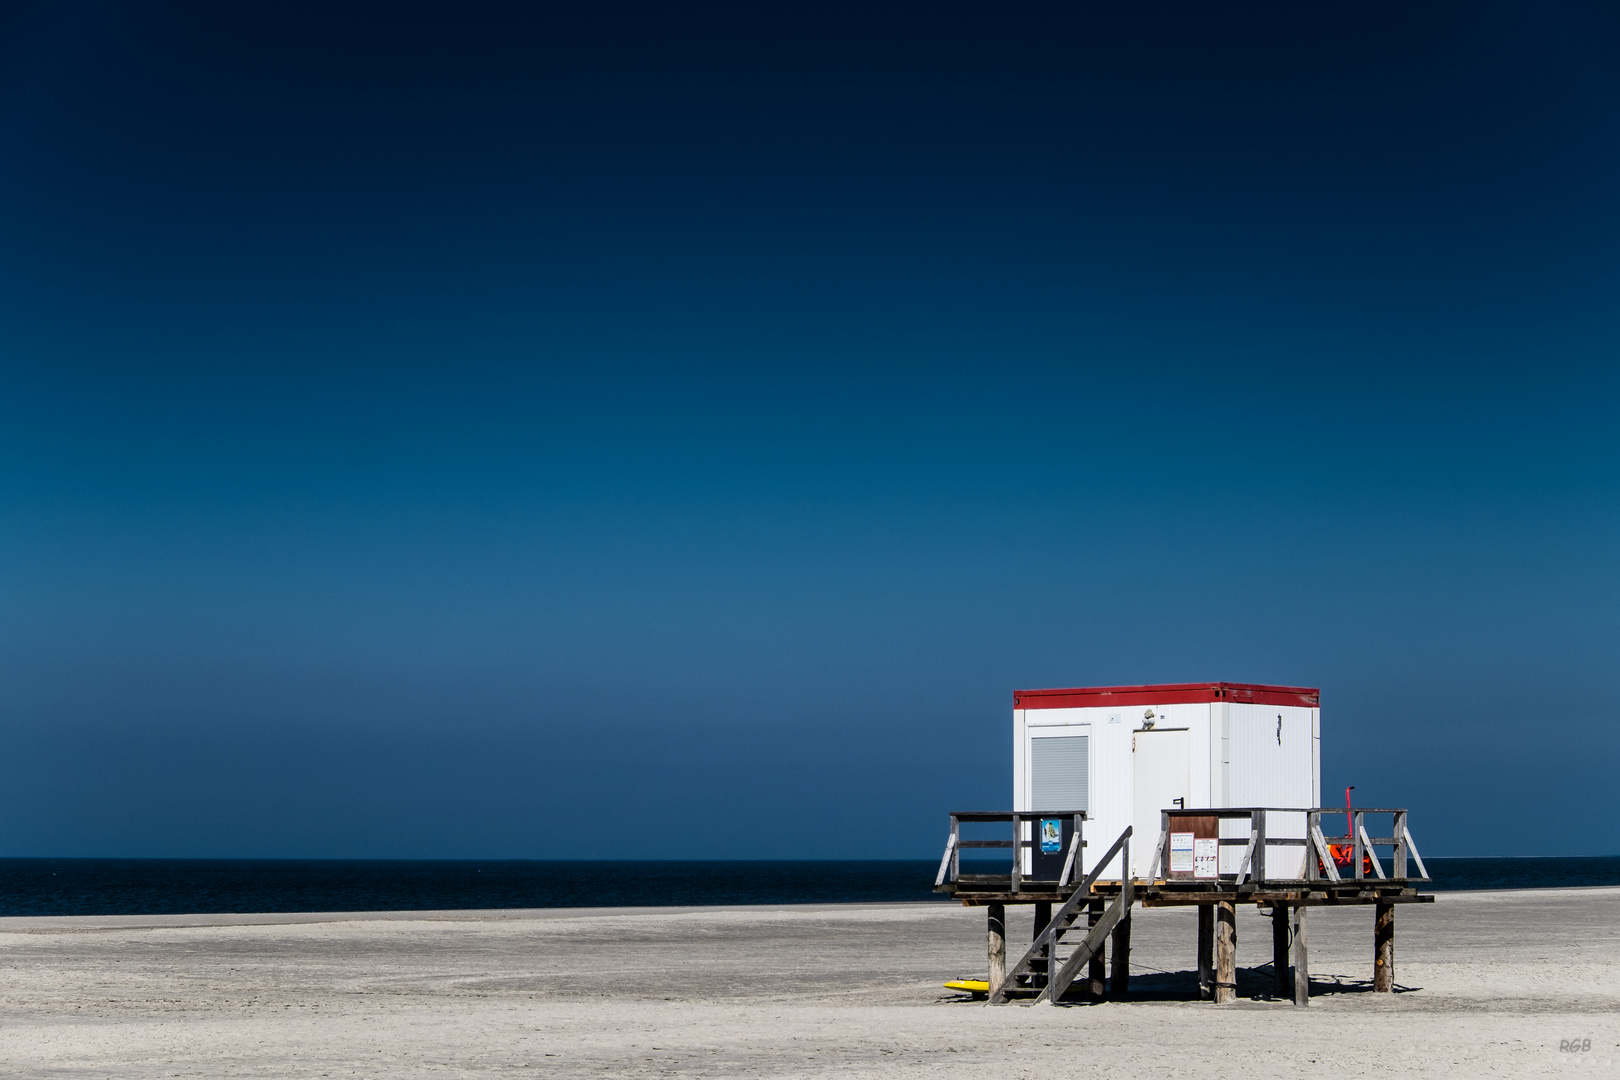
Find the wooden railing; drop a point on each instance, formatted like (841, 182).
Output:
(950, 865)
(1259, 863)
(1318, 857)
(1362, 845)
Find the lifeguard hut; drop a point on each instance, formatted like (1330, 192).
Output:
(1121, 754)
(1211, 795)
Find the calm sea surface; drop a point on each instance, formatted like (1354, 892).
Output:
(191, 886)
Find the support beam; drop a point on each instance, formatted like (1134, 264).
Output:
(997, 945)
(1283, 983)
(1097, 973)
(1225, 952)
(1302, 959)
(1206, 951)
(1120, 983)
(1384, 948)
(1043, 919)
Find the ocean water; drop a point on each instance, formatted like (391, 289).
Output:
(195, 886)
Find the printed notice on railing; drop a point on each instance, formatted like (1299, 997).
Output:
(1181, 852)
(1206, 858)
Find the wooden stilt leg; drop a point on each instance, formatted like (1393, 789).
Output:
(1206, 951)
(1302, 959)
(1097, 972)
(1384, 948)
(1225, 952)
(1121, 980)
(1283, 981)
(998, 945)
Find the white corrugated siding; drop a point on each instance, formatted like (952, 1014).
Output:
(1273, 755)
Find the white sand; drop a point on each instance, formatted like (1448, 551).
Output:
(1494, 983)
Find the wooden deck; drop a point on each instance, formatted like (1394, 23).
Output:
(978, 890)
(1102, 908)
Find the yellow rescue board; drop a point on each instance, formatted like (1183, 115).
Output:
(971, 986)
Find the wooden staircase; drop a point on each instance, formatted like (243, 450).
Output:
(1060, 972)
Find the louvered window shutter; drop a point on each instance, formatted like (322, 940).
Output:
(1060, 772)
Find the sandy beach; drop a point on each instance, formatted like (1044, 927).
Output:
(1489, 984)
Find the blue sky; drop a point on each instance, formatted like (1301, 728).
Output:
(487, 431)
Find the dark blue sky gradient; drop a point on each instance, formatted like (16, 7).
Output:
(675, 430)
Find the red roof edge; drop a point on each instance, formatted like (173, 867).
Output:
(1094, 697)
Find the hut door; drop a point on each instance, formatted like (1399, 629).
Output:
(1160, 768)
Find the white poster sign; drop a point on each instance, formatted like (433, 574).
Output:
(1181, 853)
(1206, 858)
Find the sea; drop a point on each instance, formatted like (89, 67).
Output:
(198, 886)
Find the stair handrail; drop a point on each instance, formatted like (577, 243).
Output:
(1048, 937)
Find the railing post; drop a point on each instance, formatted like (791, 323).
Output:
(956, 847)
(1355, 841)
(1313, 824)
(1120, 981)
(1161, 857)
(1079, 870)
(1097, 972)
(1052, 966)
(1400, 844)
(1259, 827)
(1079, 831)
(1018, 851)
